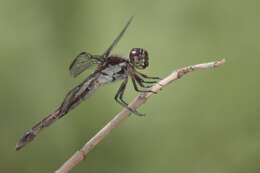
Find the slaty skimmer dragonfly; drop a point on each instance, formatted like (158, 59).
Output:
(109, 68)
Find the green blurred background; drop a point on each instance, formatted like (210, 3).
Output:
(206, 122)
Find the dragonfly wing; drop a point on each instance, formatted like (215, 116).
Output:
(108, 51)
(82, 62)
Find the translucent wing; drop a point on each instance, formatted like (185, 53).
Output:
(82, 62)
(106, 54)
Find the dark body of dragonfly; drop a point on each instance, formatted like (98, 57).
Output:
(109, 69)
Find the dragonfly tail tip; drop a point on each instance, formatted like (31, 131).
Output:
(19, 145)
(28, 137)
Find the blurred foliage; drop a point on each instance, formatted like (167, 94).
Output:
(206, 122)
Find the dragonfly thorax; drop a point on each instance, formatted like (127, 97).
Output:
(139, 58)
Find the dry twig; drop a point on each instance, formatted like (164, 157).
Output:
(138, 101)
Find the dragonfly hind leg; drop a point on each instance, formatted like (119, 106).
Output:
(120, 94)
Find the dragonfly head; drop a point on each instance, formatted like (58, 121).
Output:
(139, 58)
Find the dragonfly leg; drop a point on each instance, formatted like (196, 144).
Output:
(120, 93)
(138, 90)
(147, 77)
(148, 81)
(126, 105)
(141, 82)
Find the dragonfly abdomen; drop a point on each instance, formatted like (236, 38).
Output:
(72, 99)
(29, 135)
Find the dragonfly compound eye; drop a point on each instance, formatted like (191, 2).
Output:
(139, 58)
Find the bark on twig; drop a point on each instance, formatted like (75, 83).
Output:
(137, 102)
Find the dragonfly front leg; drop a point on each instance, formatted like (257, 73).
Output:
(147, 77)
(120, 94)
(138, 90)
(141, 82)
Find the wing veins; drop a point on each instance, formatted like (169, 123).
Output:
(82, 62)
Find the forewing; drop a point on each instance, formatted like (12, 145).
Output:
(82, 62)
(108, 51)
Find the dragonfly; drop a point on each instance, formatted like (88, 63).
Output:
(109, 68)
